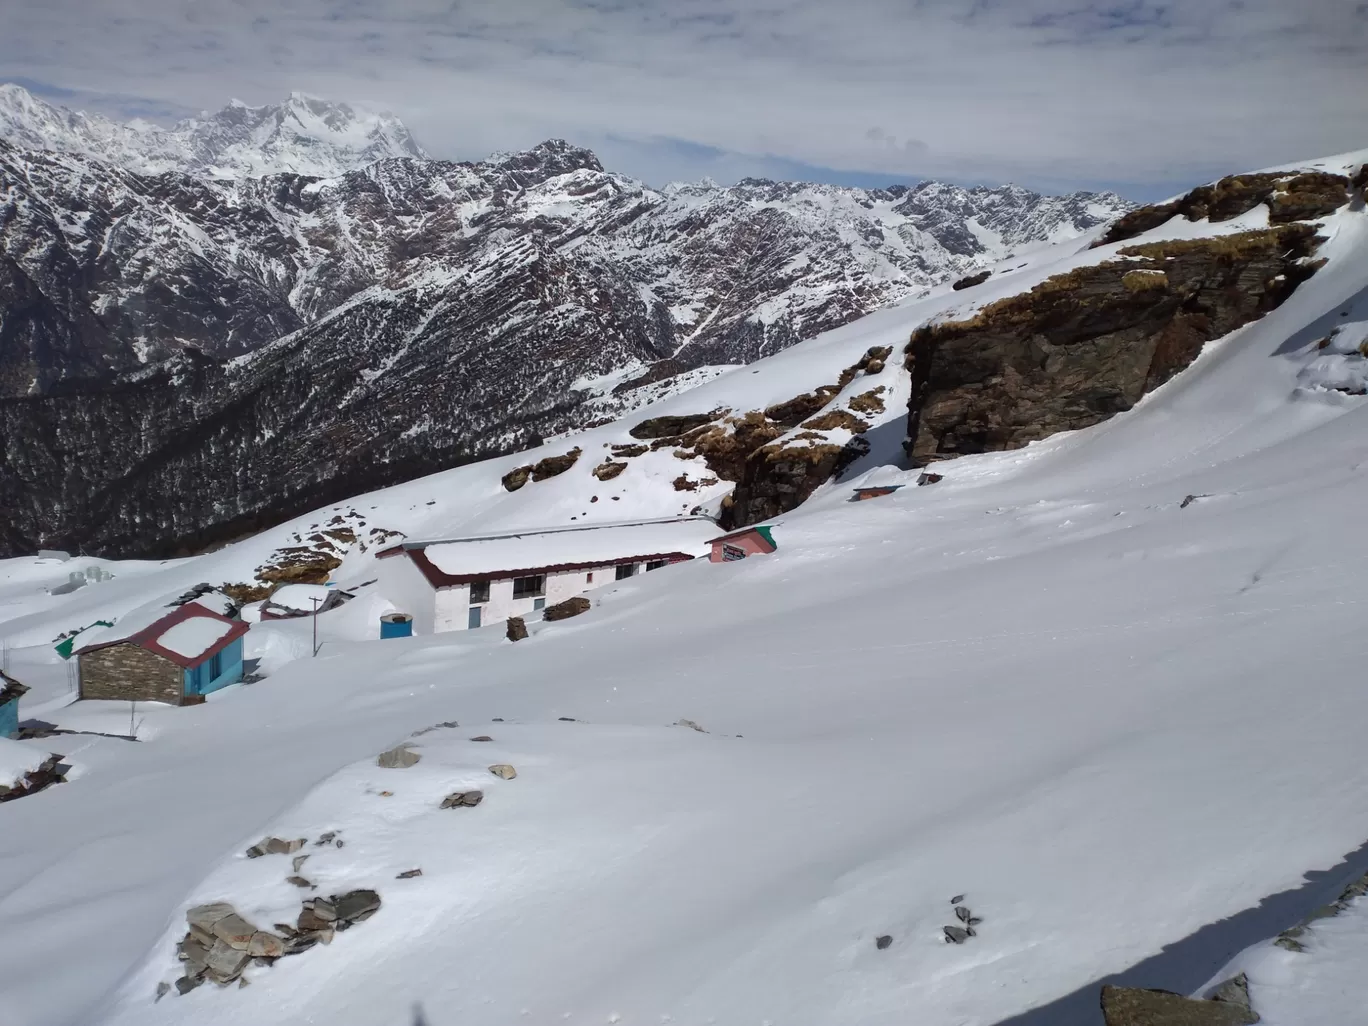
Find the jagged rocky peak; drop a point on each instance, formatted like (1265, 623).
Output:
(544, 161)
(303, 135)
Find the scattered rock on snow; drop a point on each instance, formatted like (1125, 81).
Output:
(234, 931)
(356, 906)
(957, 899)
(929, 478)
(398, 757)
(409, 874)
(503, 770)
(517, 629)
(205, 916)
(883, 942)
(220, 942)
(962, 911)
(971, 280)
(299, 881)
(1135, 1006)
(462, 799)
(690, 724)
(275, 846)
(564, 610)
(298, 861)
(482, 737)
(265, 945)
(956, 934)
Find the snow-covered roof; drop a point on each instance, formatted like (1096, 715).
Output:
(18, 760)
(535, 551)
(186, 634)
(140, 618)
(300, 596)
(194, 636)
(10, 688)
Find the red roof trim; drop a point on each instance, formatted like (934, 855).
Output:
(439, 578)
(147, 637)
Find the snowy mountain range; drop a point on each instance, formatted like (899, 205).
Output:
(429, 312)
(1101, 690)
(304, 135)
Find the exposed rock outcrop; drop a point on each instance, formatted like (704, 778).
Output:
(553, 466)
(220, 944)
(780, 477)
(971, 280)
(1291, 196)
(564, 610)
(1134, 1006)
(670, 427)
(1082, 346)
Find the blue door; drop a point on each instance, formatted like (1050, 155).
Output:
(474, 620)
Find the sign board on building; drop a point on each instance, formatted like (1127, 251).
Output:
(731, 552)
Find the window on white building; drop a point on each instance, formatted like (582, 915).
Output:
(625, 571)
(529, 587)
(479, 592)
(655, 564)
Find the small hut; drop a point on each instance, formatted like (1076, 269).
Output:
(749, 541)
(10, 693)
(175, 653)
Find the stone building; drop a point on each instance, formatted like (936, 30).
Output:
(175, 653)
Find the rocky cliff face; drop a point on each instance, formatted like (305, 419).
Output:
(1085, 345)
(249, 346)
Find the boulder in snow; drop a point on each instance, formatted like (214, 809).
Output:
(564, 610)
(503, 770)
(1135, 1006)
(398, 757)
(462, 799)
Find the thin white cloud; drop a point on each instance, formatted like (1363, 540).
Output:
(1036, 90)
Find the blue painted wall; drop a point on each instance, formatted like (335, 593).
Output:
(9, 718)
(199, 682)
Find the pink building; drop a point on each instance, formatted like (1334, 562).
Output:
(749, 541)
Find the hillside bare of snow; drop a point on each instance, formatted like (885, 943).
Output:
(1106, 686)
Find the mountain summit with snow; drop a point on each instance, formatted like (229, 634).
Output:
(1104, 688)
(301, 272)
(303, 135)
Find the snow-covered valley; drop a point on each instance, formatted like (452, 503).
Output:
(1106, 686)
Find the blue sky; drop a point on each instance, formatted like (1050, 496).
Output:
(1135, 95)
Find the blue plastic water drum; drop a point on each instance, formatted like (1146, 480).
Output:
(396, 625)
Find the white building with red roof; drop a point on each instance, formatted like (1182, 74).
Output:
(453, 584)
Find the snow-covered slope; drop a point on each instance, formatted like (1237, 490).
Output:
(1105, 686)
(304, 135)
(436, 312)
